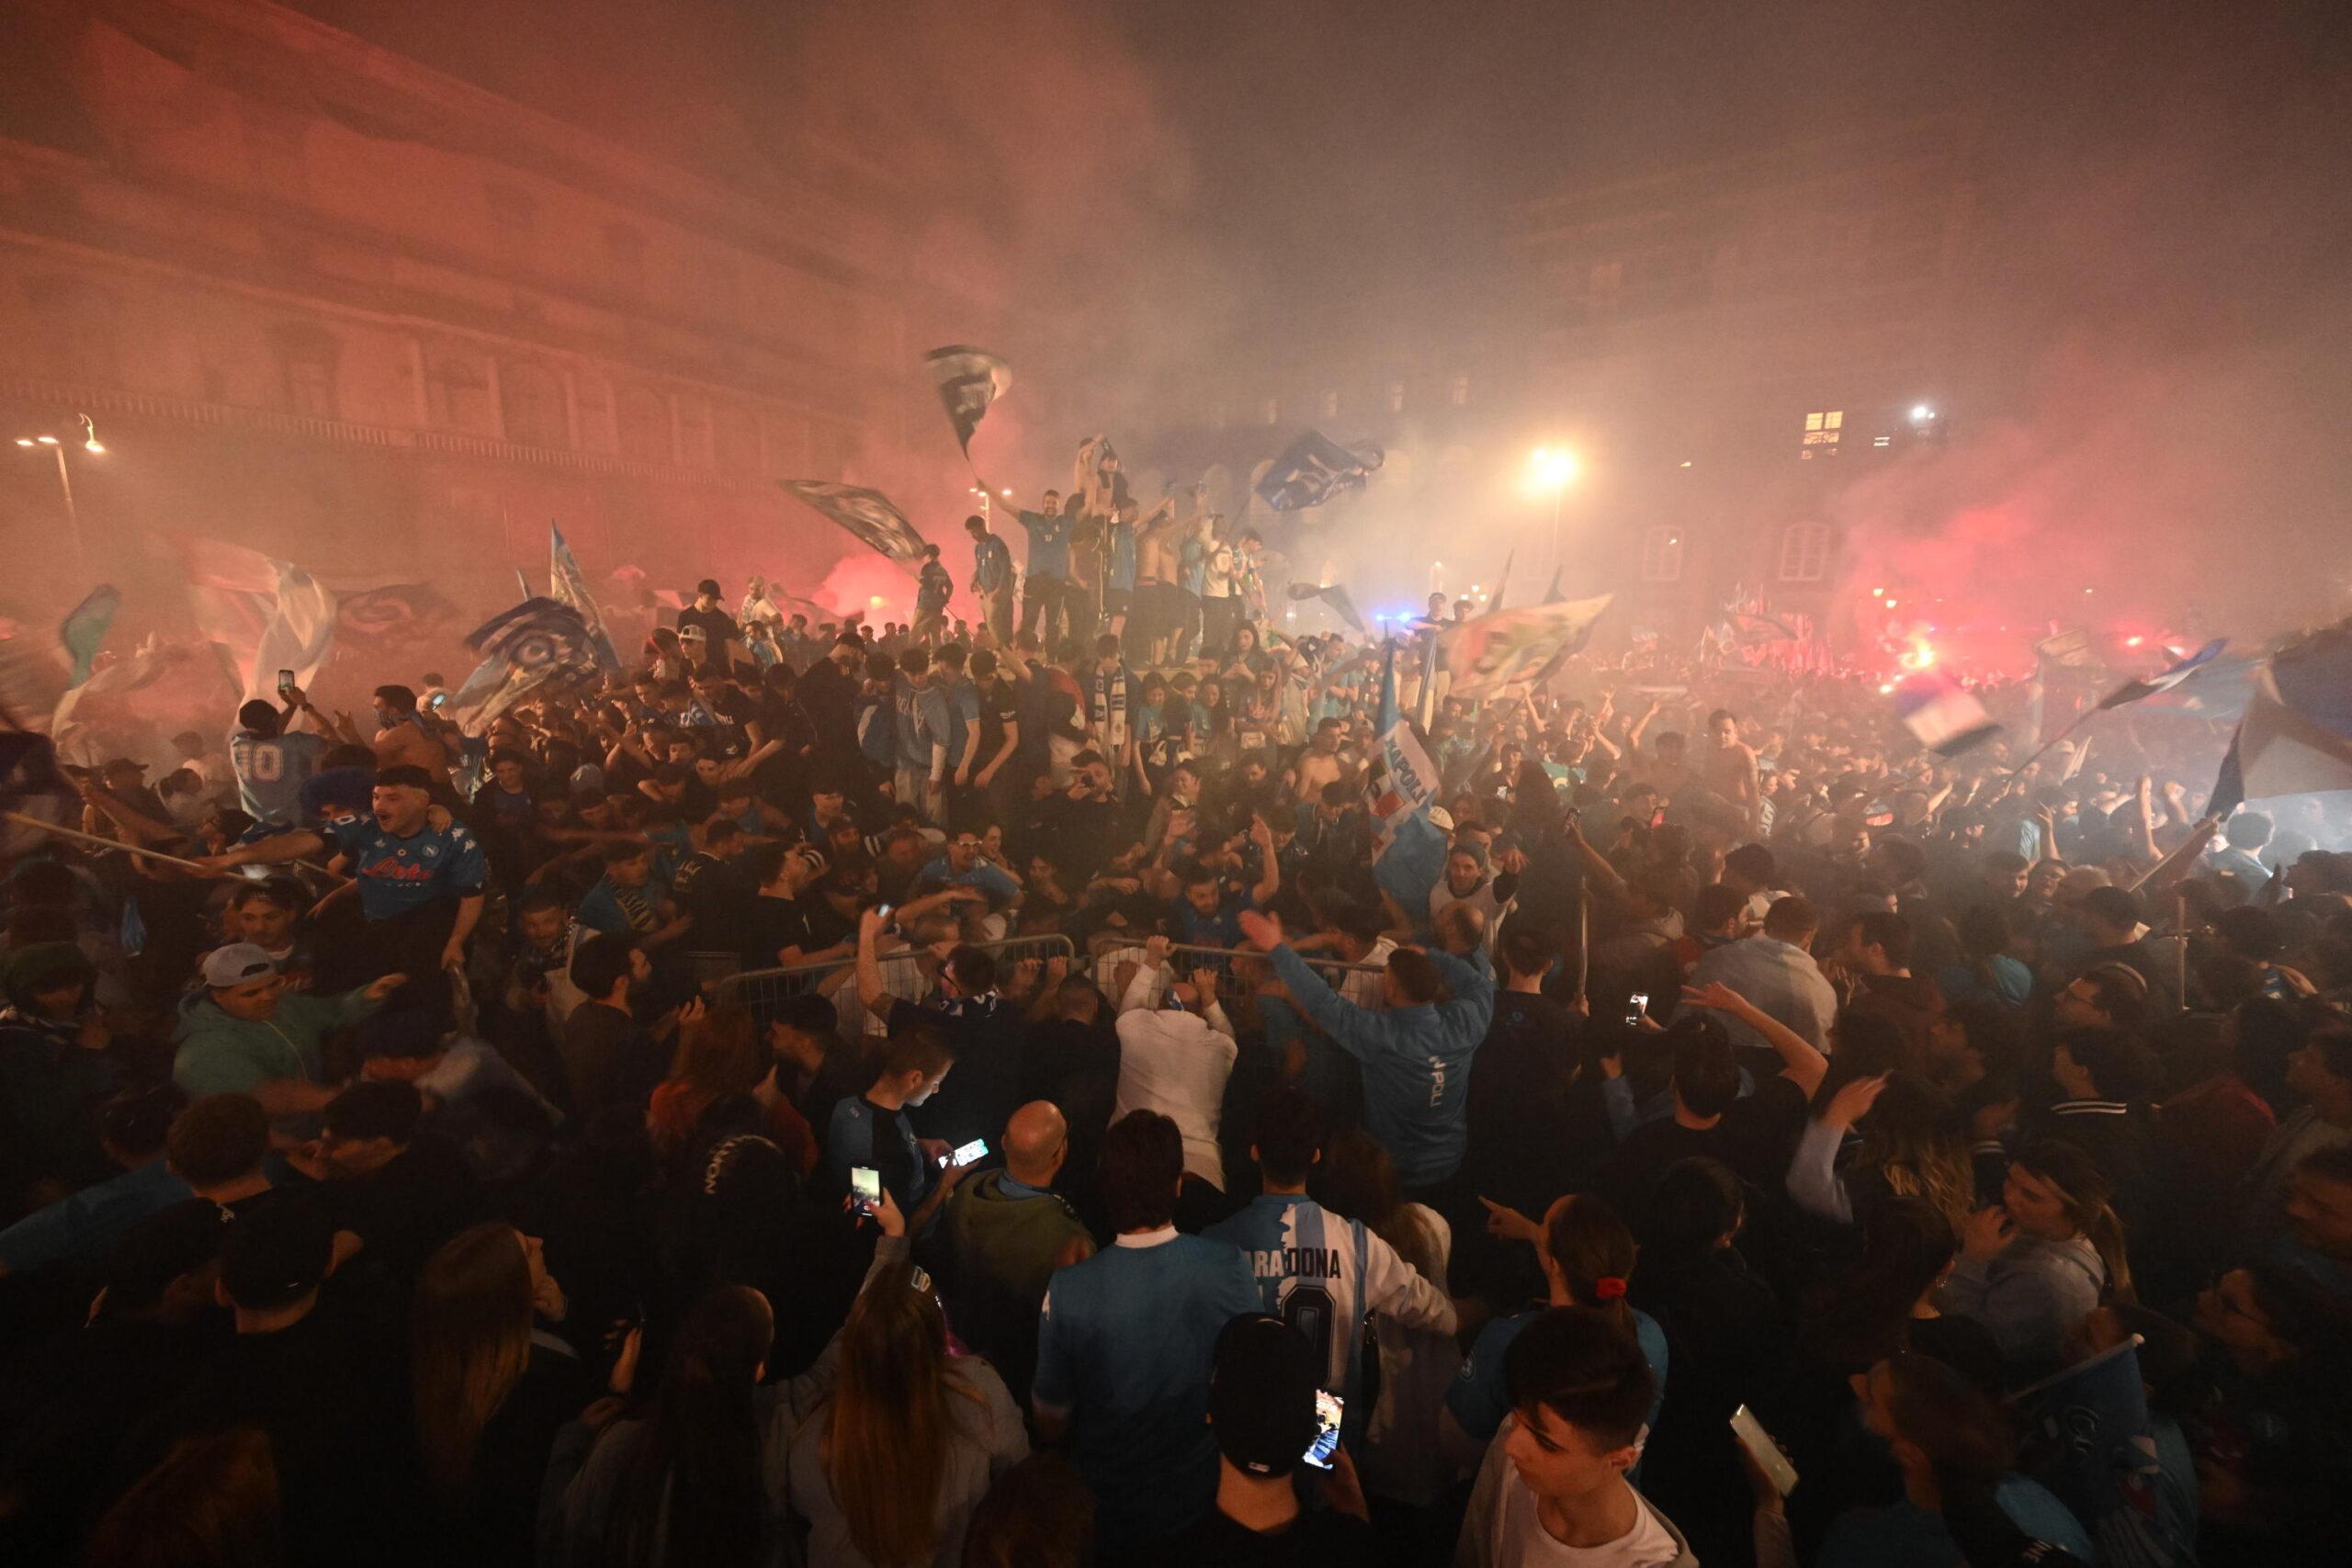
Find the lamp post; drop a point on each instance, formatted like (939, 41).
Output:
(1554, 468)
(91, 443)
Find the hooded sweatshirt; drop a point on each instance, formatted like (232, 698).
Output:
(2032, 1294)
(220, 1055)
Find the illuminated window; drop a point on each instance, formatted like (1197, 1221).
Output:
(1331, 404)
(1460, 390)
(1821, 431)
(1804, 552)
(1662, 555)
(1396, 397)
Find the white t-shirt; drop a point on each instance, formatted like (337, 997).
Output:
(1177, 1063)
(1521, 1538)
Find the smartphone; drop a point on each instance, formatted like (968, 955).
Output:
(976, 1150)
(865, 1189)
(286, 680)
(1328, 1407)
(438, 698)
(1635, 1005)
(1763, 1450)
(886, 911)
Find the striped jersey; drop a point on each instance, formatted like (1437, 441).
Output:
(1323, 1275)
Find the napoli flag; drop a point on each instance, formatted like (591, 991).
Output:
(865, 512)
(1314, 469)
(970, 379)
(537, 642)
(1942, 716)
(2165, 680)
(2296, 737)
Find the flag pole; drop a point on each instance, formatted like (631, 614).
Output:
(95, 842)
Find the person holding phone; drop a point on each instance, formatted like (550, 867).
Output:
(871, 1130)
(1262, 1412)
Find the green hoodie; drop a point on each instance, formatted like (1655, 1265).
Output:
(220, 1055)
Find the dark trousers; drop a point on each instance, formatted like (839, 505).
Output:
(1044, 607)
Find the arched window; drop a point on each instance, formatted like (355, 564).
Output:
(532, 399)
(1662, 555)
(1804, 552)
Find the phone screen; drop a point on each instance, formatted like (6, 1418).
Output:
(1328, 1407)
(286, 680)
(1763, 1450)
(976, 1150)
(1635, 1005)
(866, 1188)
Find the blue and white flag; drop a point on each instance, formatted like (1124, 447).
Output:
(968, 379)
(1492, 653)
(2163, 680)
(1314, 469)
(1942, 715)
(2296, 737)
(1334, 594)
(567, 585)
(865, 512)
(1408, 849)
(536, 643)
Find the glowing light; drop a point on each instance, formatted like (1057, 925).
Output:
(92, 445)
(1878, 592)
(1885, 688)
(1920, 654)
(48, 440)
(24, 441)
(1006, 493)
(1922, 413)
(1552, 468)
(1891, 603)
(2133, 641)
(2090, 590)
(876, 600)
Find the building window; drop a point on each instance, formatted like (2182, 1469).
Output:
(1821, 433)
(1331, 404)
(531, 400)
(625, 257)
(1460, 390)
(1662, 555)
(643, 420)
(1396, 397)
(1271, 410)
(458, 396)
(306, 356)
(1804, 552)
(310, 388)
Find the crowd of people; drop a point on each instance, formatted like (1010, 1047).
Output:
(967, 1094)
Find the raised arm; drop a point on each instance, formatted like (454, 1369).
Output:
(1802, 1062)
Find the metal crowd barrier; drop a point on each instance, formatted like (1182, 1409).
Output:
(905, 974)
(1359, 983)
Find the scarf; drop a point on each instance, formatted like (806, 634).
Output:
(1109, 710)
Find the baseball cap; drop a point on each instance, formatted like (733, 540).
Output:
(708, 585)
(1261, 1395)
(276, 1253)
(236, 963)
(693, 634)
(123, 765)
(1440, 817)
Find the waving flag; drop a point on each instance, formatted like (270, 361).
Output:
(1746, 628)
(536, 643)
(1334, 594)
(2296, 737)
(1493, 652)
(84, 627)
(970, 379)
(395, 612)
(265, 614)
(1314, 469)
(865, 512)
(2164, 681)
(1942, 715)
(567, 585)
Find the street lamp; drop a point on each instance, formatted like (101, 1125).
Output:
(91, 443)
(1553, 469)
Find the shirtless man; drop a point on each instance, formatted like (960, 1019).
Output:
(1663, 762)
(1319, 764)
(403, 737)
(1729, 767)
